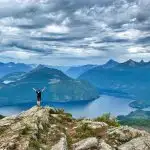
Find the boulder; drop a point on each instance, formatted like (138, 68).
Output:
(140, 143)
(120, 135)
(89, 143)
(104, 146)
(95, 124)
(61, 145)
(99, 128)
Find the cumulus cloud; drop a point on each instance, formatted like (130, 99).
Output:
(18, 54)
(56, 29)
(88, 31)
(137, 50)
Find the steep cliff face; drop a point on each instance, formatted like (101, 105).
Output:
(45, 128)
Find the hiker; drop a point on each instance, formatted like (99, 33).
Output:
(39, 94)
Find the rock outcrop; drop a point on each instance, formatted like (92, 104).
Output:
(45, 128)
(61, 145)
(120, 135)
(89, 143)
(137, 143)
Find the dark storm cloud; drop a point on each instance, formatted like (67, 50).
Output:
(24, 46)
(87, 30)
(59, 39)
(115, 40)
(30, 26)
(144, 40)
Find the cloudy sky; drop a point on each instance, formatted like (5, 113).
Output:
(66, 32)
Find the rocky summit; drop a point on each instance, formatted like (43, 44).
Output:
(45, 128)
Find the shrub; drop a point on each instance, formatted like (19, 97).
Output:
(59, 111)
(1, 117)
(68, 115)
(84, 131)
(34, 145)
(69, 141)
(1, 131)
(107, 118)
(25, 130)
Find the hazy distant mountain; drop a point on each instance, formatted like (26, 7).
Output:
(12, 77)
(133, 64)
(111, 63)
(59, 87)
(131, 78)
(61, 68)
(138, 114)
(130, 63)
(76, 71)
(6, 68)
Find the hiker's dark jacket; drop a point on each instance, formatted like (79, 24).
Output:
(38, 92)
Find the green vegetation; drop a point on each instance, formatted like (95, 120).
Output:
(84, 131)
(68, 115)
(59, 111)
(34, 145)
(141, 123)
(107, 118)
(1, 117)
(138, 118)
(1, 131)
(26, 130)
(69, 141)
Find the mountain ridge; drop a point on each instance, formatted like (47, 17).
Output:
(59, 87)
(76, 71)
(12, 67)
(130, 78)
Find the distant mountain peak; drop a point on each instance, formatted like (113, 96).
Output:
(11, 63)
(76, 71)
(110, 63)
(131, 62)
(142, 61)
(40, 67)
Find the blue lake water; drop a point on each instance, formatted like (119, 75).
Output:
(116, 106)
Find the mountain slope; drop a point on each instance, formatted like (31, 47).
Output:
(139, 119)
(12, 77)
(7, 68)
(75, 72)
(110, 64)
(60, 88)
(130, 78)
(57, 130)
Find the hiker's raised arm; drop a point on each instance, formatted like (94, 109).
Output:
(43, 89)
(34, 89)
